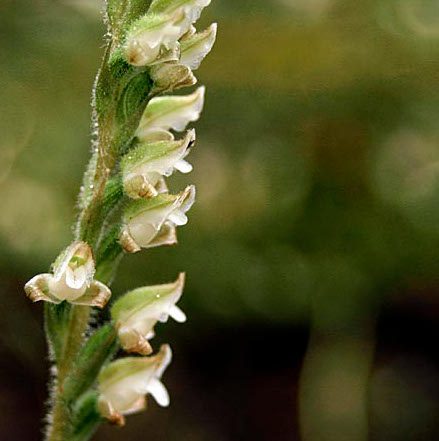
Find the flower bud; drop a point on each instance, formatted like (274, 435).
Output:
(195, 47)
(171, 112)
(151, 222)
(72, 280)
(124, 384)
(138, 311)
(143, 166)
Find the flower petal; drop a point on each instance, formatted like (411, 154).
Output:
(132, 341)
(166, 236)
(158, 390)
(177, 314)
(196, 47)
(37, 289)
(97, 295)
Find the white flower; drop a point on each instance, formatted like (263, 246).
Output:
(190, 9)
(151, 36)
(138, 311)
(170, 112)
(72, 280)
(151, 222)
(156, 34)
(143, 166)
(123, 385)
(195, 47)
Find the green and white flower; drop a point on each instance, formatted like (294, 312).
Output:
(151, 222)
(190, 9)
(143, 166)
(150, 36)
(194, 47)
(124, 384)
(170, 112)
(154, 37)
(138, 311)
(72, 280)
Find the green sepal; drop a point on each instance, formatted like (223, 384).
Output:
(86, 417)
(56, 324)
(133, 98)
(97, 350)
(167, 6)
(121, 95)
(137, 207)
(145, 152)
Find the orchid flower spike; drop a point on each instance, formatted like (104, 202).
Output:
(143, 166)
(124, 383)
(170, 112)
(138, 311)
(72, 280)
(151, 222)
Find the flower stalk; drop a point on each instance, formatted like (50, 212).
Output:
(124, 206)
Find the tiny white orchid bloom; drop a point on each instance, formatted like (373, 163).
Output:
(72, 280)
(143, 166)
(124, 384)
(195, 47)
(190, 9)
(138, 311)
(151, 222)
(153, 36)
(171, 112)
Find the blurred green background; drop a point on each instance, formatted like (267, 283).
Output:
(312, 252)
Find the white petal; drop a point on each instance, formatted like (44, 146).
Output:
(77, 278)
(178, 218)
(183, 166)
(177, 314)
(60, 288)
(157, 389)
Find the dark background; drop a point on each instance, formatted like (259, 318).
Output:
(312, 252)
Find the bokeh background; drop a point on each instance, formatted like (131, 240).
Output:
(312, 252)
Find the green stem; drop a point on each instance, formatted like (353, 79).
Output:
(60, 421)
